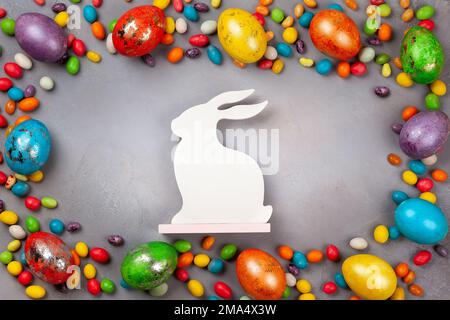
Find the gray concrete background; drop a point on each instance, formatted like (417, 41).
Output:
(110, 167)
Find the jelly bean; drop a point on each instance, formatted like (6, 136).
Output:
(292, 268)
(124, 285)
(23, 61)
(340, 281)
(427, 23)
(3, 122)
(284, 50)
(98, 30)
(399, 196)
(262, 10)
(287, 23)
(160, 290)
(228, 251)
(195, 288)
(15, 94)
(21, 177)
(332, 253)
(408, 112)
(9, 217)
(335, 6)
(32, 203)
(300, 46)
(407, 15)
(3, 13)
(190, 13)
(397, 127)
(425, 12)
(441, 250)
(343, 69)
(25, 278)
(410, 277)
(8, 26)
(404, 80)
(394, 159)
(78, 47)
(439, 175)
(89, 271)
(394, 233)
(47, 83)
(3, 179)
(409, 177)
(82, 249)
(170, 25)
(329, 287)
(56, 226)
(382, 59)
(381, 234)
(303, 286)
(35, 292)
(417, 167)
(214, 55)
(285, 252)
(178, 5)
(112, 25)
(6, 257)
(269, 35)
(308, 296)
(358, 243)
(73, 65)
(14, 268)
(277, 15)
(422, 257)
(97, 3)
(199, 40)
(424, 184)
(428, 196)
(222, 290)
(216, 3)
(213, 298)
(5, 84)
(208, 242)
(209, 27)
(299, 259)
(149, 60)
(324, 66)
(162, 4)
(405, 3)
(291, 281)
(286, 292)
(201, 7)
(10, 181)
(22, 258)
(73, 226)
(20, 189)
(386, 70)
(432, 102)
(277, 66)
(99, 255)
(17, 232)
(314, 256)
(181, 26)
(399, 294)
(107, 286)
(28, 104)
(14, 245)
(93, 287)
(416, 290)
(90, 13)
(216, 266)
(366, 54)
(290, 35)
(75, 257)
(385, 10)
(49, 202)
(305, 19)
(185, 259)
(62, 19)
(299, 10)
(167, 39)
(429, 161)
(438, 87)
(371, 26)
(32, 224)
(116, 240)
(181, 275)
(310, 3)
(201, 260)
(182, 246)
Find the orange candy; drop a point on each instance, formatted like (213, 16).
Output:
(398, 63)
(262, 10)
(352, 4)
(410, 277)
(265, 2)
(269, 35)
(185, 259)
(354, 298)
(28, 104)
(394, 159)
(167, 39)
(21, 119)
(98, 30)
(408, 112)
(385, 32)
(343, 69)
(10, 107)
(415, 290)
(285, 252)
(439, 175)
(208, 242)
(314, 256)
(76, 258)
(175, 55)
(401, 270)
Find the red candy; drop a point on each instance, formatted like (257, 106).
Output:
(13, 70)
(199, 40)
(3, 122)
(181, 275)
(99, 255)
(32, 203)
(260, 18)
(2, 13)
(40, 2)
(5, 84)
(3, 177)
(422, 258)
(78, 47)
(376, 2)
(329, 287)
(222, 290)
(332, 253)
(97, 3)
(425, 184)
(25, 278)
(265, 64)
(93, 286)
(178, 5)
(358, 69)
(428, 24)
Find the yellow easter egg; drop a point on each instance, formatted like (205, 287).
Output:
(369, 277)
(241, 35)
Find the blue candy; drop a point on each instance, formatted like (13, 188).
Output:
(283, 49)
(20, 189)
(56, 226)
(305, 19)
(299, 259)
(399, 196)
(340, 281)
(90, 13)
(421, 221)
(190, 13)
(335, 6)
(16, 94)
(214, 55)
(417, 167)
(324, 66)
(23, 258)
(216, 266)
(394, 233)
(124, 285)
(213, 297)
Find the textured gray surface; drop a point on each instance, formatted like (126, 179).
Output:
(111, 170)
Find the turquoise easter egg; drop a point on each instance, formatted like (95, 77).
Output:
(421, 221)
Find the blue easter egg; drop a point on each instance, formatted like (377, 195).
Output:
(190, 13)
(399, 196)
(421, 221)
(216, 266)
(56, 226)
(324, 66)
(284, 50)
(299, 259)
(214, 55)
(124, 285)
(305, 19)
(335, 6)
(20, 189)
(417, 167)
(15, 94)
(394, 233)
(340, 281)
(27, 147)
(90, 13)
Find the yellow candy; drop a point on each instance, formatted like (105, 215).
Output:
(216, 3)
(38, 176)
(381, 234)
(288, 22)
(9, 217)
(307, 296)
(404, 80)
(386, 70)
(162, 4)
(195, 288)
(299, 10)
(409, 177)
(369, 276)
(428, 196)
(21, 177)
(399, 294)
(170, 25)
(89, 271)
(62, 19)
(14, 245)
(290, 35)
(14, 268)
(310, 3)
(306, 62)
(201, 260)
(94, 56)
(82, 249)
(303, 286)
(278, 66)
(35, 292)
(439, 88)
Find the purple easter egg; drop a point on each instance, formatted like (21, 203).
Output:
(424, 134)
(40, 37)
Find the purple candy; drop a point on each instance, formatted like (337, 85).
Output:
(382, 92)
(374, 41)
(293, 269)
(201, 7)
(397, 127)
(149, 60)
(40, 37)
(30, 91)
(193, 53)
(300, 46)
(59, 7)
(73, 226)
(424, 134)
(2, 206)
(116, 240)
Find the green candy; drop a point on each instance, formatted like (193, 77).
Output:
(149, 265)
(8, 27)
(75, 1)
(49, 202)
(432, 102)
(32, 224)
(371, 26)
(286, 292)
(277, 15)
(385, 10)
(1, 51)
(425, 12)
(421, 55)
(182, 246)
(73, 65)
(382, 58)
(107, 285)
(228, 251)
(112, 24)
(6, 257)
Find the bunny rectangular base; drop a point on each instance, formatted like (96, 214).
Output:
(214, 228)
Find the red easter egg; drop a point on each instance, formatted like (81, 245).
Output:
(335, 34)
(99, 255)
(139, 31)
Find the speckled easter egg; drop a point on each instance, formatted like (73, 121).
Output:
(424, 134)
(335, 34)
(241, 35)
(48, 257)
(149, 265)
(27, 147)
(422, 55)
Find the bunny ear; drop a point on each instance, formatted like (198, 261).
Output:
(229, 97)
(242, 111)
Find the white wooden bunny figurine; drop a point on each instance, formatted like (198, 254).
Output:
(218, 185)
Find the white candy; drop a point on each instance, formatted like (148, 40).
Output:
(23, 61)
(271, 53)
(181, 26)
(367, 54)
(47, 83)
(159, 291)
(358, 243)
(429, 161)
(17, 232)
(110, 45)
(209, 27)
(290, 279)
